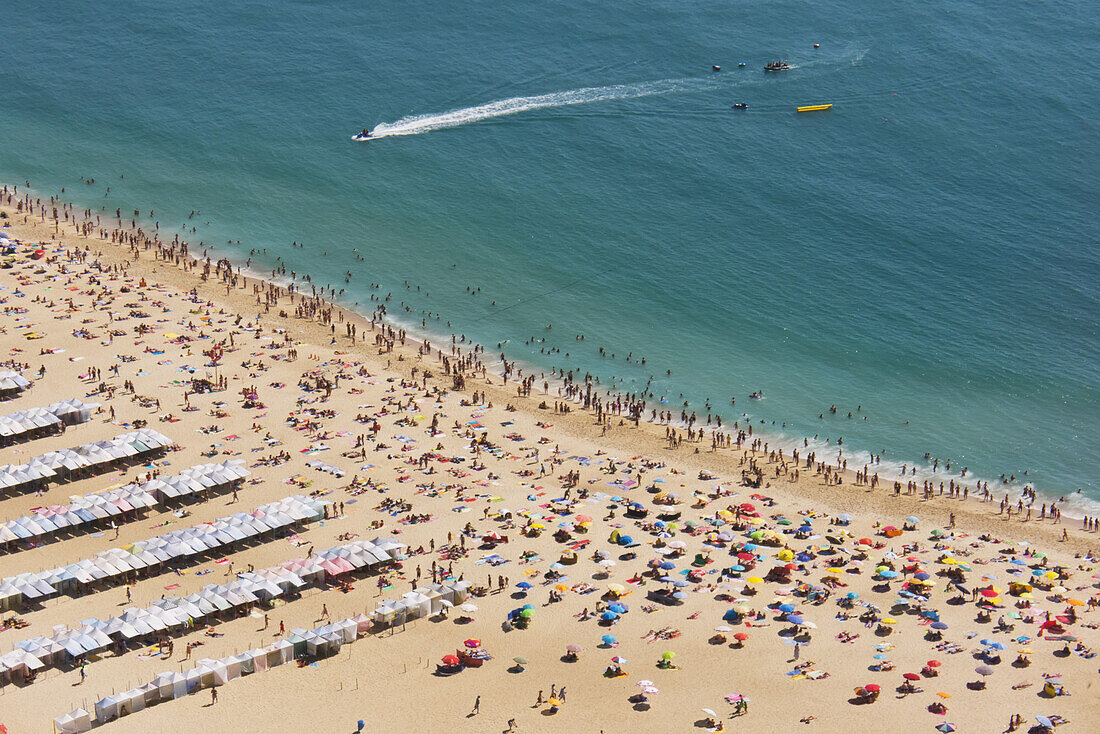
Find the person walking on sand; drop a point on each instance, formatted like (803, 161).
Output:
(511, 725)
(477, 707)
(213, 696)
(539, 701)
(324, 611)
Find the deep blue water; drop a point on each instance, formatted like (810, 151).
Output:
(926, 249)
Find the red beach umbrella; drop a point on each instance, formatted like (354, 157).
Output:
(872, 687)
(934, 663)
(450, 660)
(911, 676)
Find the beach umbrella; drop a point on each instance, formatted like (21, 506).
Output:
(1075, 603)
(520, 660)
(609, 615)
(574, 648)
(666, 565)
(983, 670)
(755, 580)
(938, 625)
(738, 567)
(618, 608)
(934, 663)
(794, 619)
(786, 607)
(1045, 721)
(879, 656)
(527, 613)
(912, 519)
(888, 574)
(472, 643)
(608, 639)
(450, 660)
(910, 676)
(679, 595)
(523, 585)
(680, 583)
(740, 637)
(618, 660)
(709, 713)
(852, 595)
(469, 608)
(922, 576)
(667, 655)
(945, 727)
(872, 687)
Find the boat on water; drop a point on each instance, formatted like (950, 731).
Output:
(777, 66)
(365, 135)
(741, 106)
(814, 107)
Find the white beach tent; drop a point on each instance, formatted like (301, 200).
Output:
(74, 722)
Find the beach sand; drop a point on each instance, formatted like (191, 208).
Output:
(387, 679)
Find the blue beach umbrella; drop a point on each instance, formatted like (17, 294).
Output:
(738, 567)
(608, 639)
(523, 585)
(680, 595)
(852, 595)
(922, 576)
(888, 574)
(609, 616)
(786, 607)
(680, 583)
(794, 619)
(666, 565)
(617, 608)
(879, 656)
(939, 625)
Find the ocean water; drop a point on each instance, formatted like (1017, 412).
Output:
(924, 255)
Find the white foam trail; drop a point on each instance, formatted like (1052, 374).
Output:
(416, 124)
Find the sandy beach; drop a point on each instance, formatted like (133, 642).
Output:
(850, 594)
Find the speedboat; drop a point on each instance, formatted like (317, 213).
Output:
(777, 66)
(741, 106)
(716, 67)
(365, 135)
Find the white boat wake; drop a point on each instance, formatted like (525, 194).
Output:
(416, 124)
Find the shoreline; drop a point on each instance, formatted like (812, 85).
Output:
(641, 439)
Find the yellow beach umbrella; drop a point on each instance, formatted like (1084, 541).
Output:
(1076, 603)
(755, 580)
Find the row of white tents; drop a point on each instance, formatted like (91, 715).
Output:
(36, 422)
(11, 384)
(173, 614)
(89, 459)
(320, 642)
(422, 602)
(86, 513)
(155, 555)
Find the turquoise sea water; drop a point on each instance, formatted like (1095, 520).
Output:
(926, 250)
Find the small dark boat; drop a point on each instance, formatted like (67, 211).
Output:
(777, 66)
(716, 67)
(741, 106)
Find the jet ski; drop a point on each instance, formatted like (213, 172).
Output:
(365, 135)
